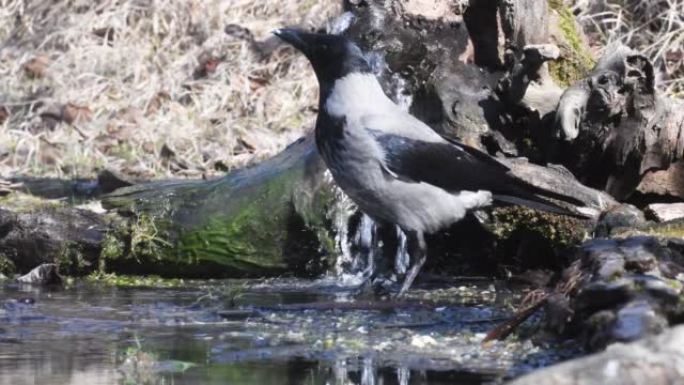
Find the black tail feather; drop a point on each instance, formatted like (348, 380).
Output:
(530, 191)
(537, 203)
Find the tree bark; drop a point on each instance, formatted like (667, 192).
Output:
(622, 135)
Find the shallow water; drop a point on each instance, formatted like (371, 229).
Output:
(260, 332)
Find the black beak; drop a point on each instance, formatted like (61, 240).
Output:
(295, 37)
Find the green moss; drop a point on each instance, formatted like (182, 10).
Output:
(317, 214)
(268, 228)
(259, 221)
(138, 243)
(113, 248)
(7, 267)
(112, 279)
(327, 242)
(675, 284)
(138, 365)
(71, 260)
(561, 231)
(196, 231)
(19, 202)
(251, 238)
(147, 243)
(575, 60)
(566, 72)
(669, 229)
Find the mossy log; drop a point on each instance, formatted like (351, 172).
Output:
(284, 215)
(268, 219)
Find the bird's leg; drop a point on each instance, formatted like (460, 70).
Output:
(417, 253)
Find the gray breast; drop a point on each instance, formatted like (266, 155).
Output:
(411, 205)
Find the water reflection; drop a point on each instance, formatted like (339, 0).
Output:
(106, 335)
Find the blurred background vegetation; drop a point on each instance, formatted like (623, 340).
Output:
(194, 88)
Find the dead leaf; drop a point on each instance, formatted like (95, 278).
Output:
(247, 145)
(107, 143)
(131, 115)
(50, 153)
(69, 113)
(124, 124)
(156, 102)
(137, 171)
(166, 152)
(36, 67)
(211, 65)
(256, 82)
(119, 132)
(73, 113)
(207, 66)
(148, 147)
(106, 33)
(4, 114)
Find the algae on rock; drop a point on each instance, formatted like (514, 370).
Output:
(575, 61)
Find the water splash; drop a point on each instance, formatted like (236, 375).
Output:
(401, 258)
(344, 272)
(341, 23)
(340, 372)
(366, 245)
(368, 374)
(364, 251)
(403, 375)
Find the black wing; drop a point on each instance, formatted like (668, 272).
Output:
(449, 166)
(454, 167)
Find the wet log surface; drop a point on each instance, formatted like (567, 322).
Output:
(624, 289)
(69, 236)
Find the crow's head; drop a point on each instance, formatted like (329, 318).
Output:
(332, 56)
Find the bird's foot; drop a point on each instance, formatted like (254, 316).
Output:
(377, 286)
(405, 286)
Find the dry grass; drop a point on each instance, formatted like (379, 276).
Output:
(154, 88)
(654, 27)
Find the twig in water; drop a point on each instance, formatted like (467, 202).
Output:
(505, 329)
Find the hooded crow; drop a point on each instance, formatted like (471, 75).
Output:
(392, 165)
